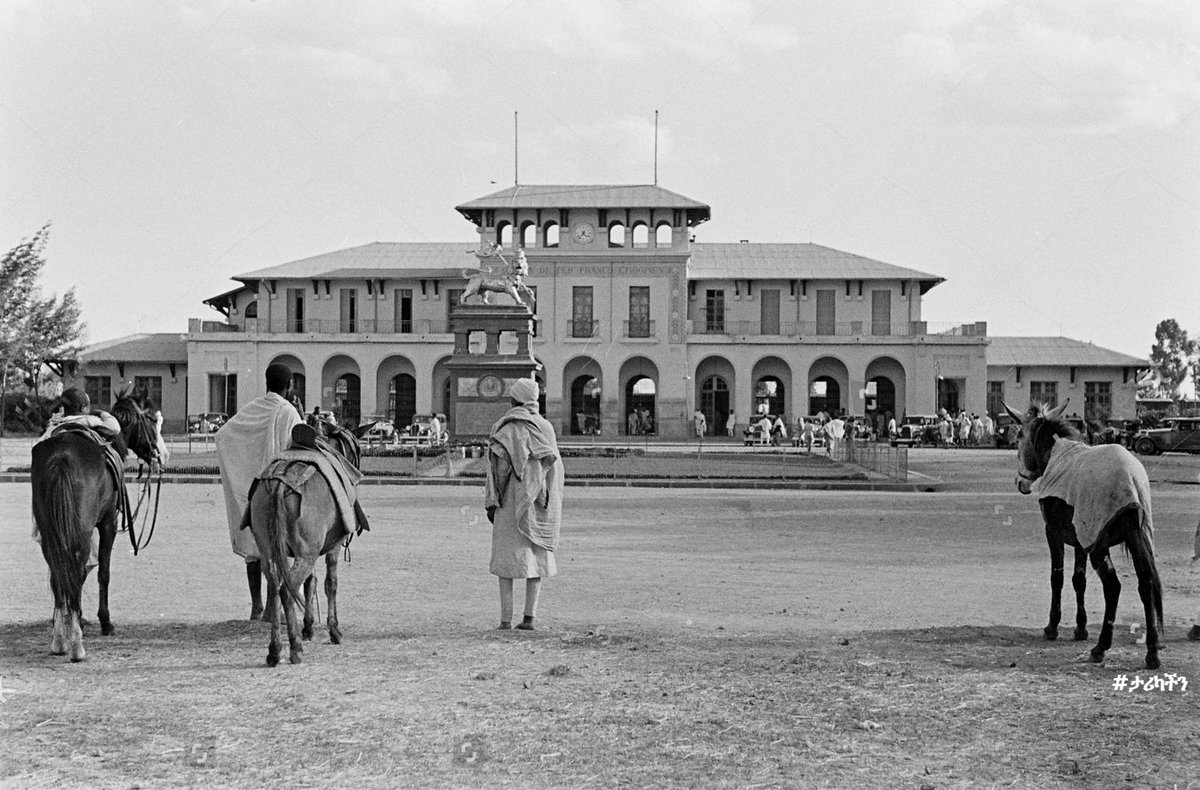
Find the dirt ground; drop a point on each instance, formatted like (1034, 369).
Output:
(707, 638)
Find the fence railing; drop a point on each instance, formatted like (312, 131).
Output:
(876, 456)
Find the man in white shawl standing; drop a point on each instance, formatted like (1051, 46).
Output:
(523, 499)
(261, 430)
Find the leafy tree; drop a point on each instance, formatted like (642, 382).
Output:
(33, 329)
(1172, 356)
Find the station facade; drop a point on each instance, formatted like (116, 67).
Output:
(637, 324)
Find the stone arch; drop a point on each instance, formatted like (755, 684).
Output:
(663, 235)
(641, 235)
(771, 385)
(504, 234)
(715, 382)
(396, 390)
(890, 380)
(528, 234)
(639, 382)
(299, 379)
(341, 389)
(828, 386)
(439, 382)
(582, 400)
(616, 234)
(550, 234)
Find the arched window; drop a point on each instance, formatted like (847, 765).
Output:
(616, 235)
(641, 235)
(251, 310)
(528, 235)
(663, 235)
(504, 234)
(550, 234)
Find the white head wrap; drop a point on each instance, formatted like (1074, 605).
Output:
(524, 391)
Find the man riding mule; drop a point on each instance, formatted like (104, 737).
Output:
(510, 279)
(1092, 498)
(77, 476)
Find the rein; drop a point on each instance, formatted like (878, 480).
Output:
(144, 497)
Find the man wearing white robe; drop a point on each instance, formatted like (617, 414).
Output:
(261, 430)
(523, 499)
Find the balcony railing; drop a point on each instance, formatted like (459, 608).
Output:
(637, 329)
(803, 329)
(327, 326)
(583, 328)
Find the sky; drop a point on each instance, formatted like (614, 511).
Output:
(1043, 157)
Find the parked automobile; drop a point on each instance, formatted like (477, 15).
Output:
(208, 422)
(1173, 434)
(420, 432)
(916, 430)
(376, 431)
(1005, 431)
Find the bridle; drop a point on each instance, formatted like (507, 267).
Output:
(139, 539)
(1021, 473)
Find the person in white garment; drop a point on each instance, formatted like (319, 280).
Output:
(523, 499)
(261, 430)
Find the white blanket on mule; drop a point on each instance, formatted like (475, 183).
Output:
(1098, 482)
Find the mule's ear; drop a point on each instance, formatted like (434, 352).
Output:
(1014, 414)
(1058, 410)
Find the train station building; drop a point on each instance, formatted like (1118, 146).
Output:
(637, 324)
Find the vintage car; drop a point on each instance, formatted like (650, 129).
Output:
(1005, 431)
(1173, 434)
(376, 430)
(208, 422)
(916, 430)
(420, 433)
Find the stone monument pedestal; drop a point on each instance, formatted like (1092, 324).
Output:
(479, 382)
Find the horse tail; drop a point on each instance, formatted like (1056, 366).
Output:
(64, 541)
(277, 531)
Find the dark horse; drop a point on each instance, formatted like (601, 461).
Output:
(75, 491)
(1124, 489)
(301, 520)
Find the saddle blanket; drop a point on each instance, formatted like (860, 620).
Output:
(295, 466)
(1100, 483)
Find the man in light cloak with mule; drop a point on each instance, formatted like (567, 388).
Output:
(523, 499)
(261, 430)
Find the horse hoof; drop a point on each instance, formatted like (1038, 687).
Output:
(335, 637)
(272, 659)
(1152, 661)
(107, 629)
(1081, 634)
(1050, 633)
(256, 614)
(1097, 655)
(295, 658)
(1194, 633)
